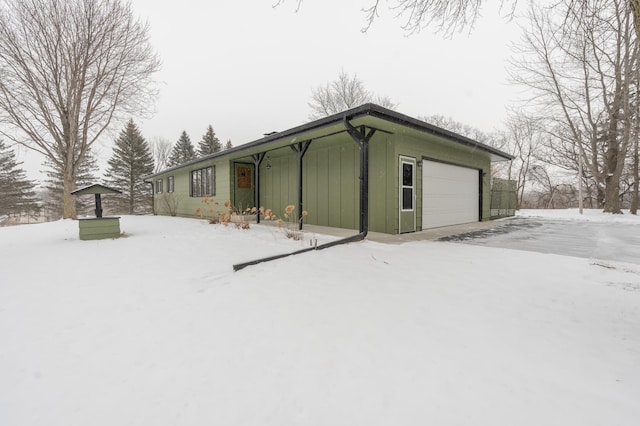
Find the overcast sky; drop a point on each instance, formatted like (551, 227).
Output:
(247, 68)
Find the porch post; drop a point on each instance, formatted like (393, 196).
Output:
(300, 149)
(257, 159)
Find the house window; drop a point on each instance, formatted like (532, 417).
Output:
(203, 182)
(407, 185)
(170, 184)
(159, 186)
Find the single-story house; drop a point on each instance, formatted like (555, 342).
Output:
(367, 168)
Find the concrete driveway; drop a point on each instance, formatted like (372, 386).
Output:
(594, 240)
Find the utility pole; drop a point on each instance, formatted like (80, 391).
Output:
(579, 183)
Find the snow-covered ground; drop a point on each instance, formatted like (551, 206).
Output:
(156, 329)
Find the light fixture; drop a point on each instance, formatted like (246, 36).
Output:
(268, 166)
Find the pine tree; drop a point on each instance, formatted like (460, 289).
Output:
(17, 193)
(85, 176)
(131, 160)
(228, 144)
(209, 143)
(182, 151)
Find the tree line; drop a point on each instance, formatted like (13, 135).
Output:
(133, 158)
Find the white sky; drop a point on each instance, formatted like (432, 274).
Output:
(248, 69)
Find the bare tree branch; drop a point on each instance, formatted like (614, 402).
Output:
(341, 94)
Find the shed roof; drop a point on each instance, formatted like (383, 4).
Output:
(96, 188)
(369, 114)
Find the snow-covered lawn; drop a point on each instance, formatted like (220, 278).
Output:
(156, 329)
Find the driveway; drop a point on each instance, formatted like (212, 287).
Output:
(598, 240)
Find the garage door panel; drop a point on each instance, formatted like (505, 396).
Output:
(450, 195)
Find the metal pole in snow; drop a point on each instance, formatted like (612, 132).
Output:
(580, 184)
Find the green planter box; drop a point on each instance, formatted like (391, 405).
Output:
(99, 228)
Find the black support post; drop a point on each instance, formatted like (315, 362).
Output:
(300, 149)
(362, 137)
(98, 206)
(257, 159)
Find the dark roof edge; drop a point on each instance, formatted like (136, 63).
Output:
(362, 110)
(408, 121)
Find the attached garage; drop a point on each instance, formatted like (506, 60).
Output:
(450, 194)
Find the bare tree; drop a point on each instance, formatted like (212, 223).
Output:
(68, 70)
(341, 94)
(579, 59)
(466, 130)
(635, 166)
(448, 16)
(523, 140)
(161, 151)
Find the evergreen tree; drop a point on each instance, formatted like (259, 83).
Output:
(17, 193)
(228, 144)
(131, 160)
(182, 151)
(209, 143)
(85, 176)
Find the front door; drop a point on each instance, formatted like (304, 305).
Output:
(244, 195)
(407, 188)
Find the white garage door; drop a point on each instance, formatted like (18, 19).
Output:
(450, 194)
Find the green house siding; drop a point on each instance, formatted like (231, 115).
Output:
(181, 201)
(278, 184)
(330, 182)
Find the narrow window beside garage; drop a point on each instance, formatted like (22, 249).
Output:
(407, 186)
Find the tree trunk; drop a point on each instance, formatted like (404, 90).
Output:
(636, 190)
(68, 200)
(612, 195)
(132, 200)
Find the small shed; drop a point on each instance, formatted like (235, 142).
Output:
(98, 228)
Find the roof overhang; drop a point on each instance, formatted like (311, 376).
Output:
(368, 115)
(95, 189)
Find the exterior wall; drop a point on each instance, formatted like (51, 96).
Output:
(279, 184)
(330, 182)
(180, 203)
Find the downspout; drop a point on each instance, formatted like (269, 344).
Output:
(362, 139)
(300, 149)
(257, 159)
